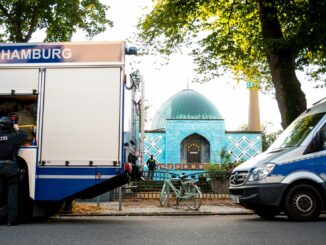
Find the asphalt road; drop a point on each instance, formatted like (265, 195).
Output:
(244, 229)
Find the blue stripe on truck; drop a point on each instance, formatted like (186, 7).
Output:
(58, 189)
(57, 183)
(76, 170)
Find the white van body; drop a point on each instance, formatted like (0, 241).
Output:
(291, 175)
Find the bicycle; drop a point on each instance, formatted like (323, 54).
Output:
(187, 192)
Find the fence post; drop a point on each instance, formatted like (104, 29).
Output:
(98, 201)
(120, 198)
(168, 197)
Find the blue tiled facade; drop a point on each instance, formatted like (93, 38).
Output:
(178, 130)
(155, 144)
(166, 145)
(243, 145)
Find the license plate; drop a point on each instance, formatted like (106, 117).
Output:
(235, 199)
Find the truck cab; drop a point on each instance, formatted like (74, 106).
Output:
(291, 175)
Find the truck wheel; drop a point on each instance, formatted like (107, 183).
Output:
(53, 208)
(303, 202)
(25, 203)
(3, 202)
(266, 212)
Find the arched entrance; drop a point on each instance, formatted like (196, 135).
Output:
(195, 149)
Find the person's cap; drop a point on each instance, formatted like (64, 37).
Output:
(6, 122)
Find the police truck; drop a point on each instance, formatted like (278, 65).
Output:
(69, 98)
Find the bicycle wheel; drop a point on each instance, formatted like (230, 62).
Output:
(164, 195)
(192, 196)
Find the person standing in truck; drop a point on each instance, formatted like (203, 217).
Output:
(152, 164)
(11, 137)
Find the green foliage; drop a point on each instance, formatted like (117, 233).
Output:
(59, 18)
(268, 138)
(222, 169)
(228, 35)
(225, 156)
(216, 168)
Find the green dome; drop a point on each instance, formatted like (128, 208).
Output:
(185, 105)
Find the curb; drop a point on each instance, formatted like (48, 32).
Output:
(152, 214)
(111, 209)
(156, 214)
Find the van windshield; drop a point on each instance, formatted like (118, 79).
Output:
(296, 132)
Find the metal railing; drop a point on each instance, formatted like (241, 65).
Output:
(211, 184)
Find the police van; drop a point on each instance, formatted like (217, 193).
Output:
(290, 176)
(70, 101)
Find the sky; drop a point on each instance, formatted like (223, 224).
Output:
(230, 98)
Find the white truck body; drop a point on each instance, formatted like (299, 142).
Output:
(79, 92)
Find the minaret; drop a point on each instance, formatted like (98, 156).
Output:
(254, 115)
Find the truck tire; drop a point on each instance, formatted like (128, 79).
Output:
(266, 212)
(3, 202)
(53, 208)
(25, 203)
(303, 202)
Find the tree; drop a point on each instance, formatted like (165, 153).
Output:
(268, 138)
(60, 19)
(260, 41)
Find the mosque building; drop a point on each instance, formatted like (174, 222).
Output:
(188, 132)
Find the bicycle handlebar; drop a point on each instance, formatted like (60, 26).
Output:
(180, 176)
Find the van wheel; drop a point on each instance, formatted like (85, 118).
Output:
(266, 212)
(303, 202)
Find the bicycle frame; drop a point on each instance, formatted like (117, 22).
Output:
(168, 183)
(185, 191)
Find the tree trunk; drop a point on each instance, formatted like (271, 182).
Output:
(290, 98)
(281, 60)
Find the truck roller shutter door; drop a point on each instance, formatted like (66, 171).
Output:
(21, 81)
(82, 116)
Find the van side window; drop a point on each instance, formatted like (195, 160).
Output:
(318, 143)
(323, 137)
